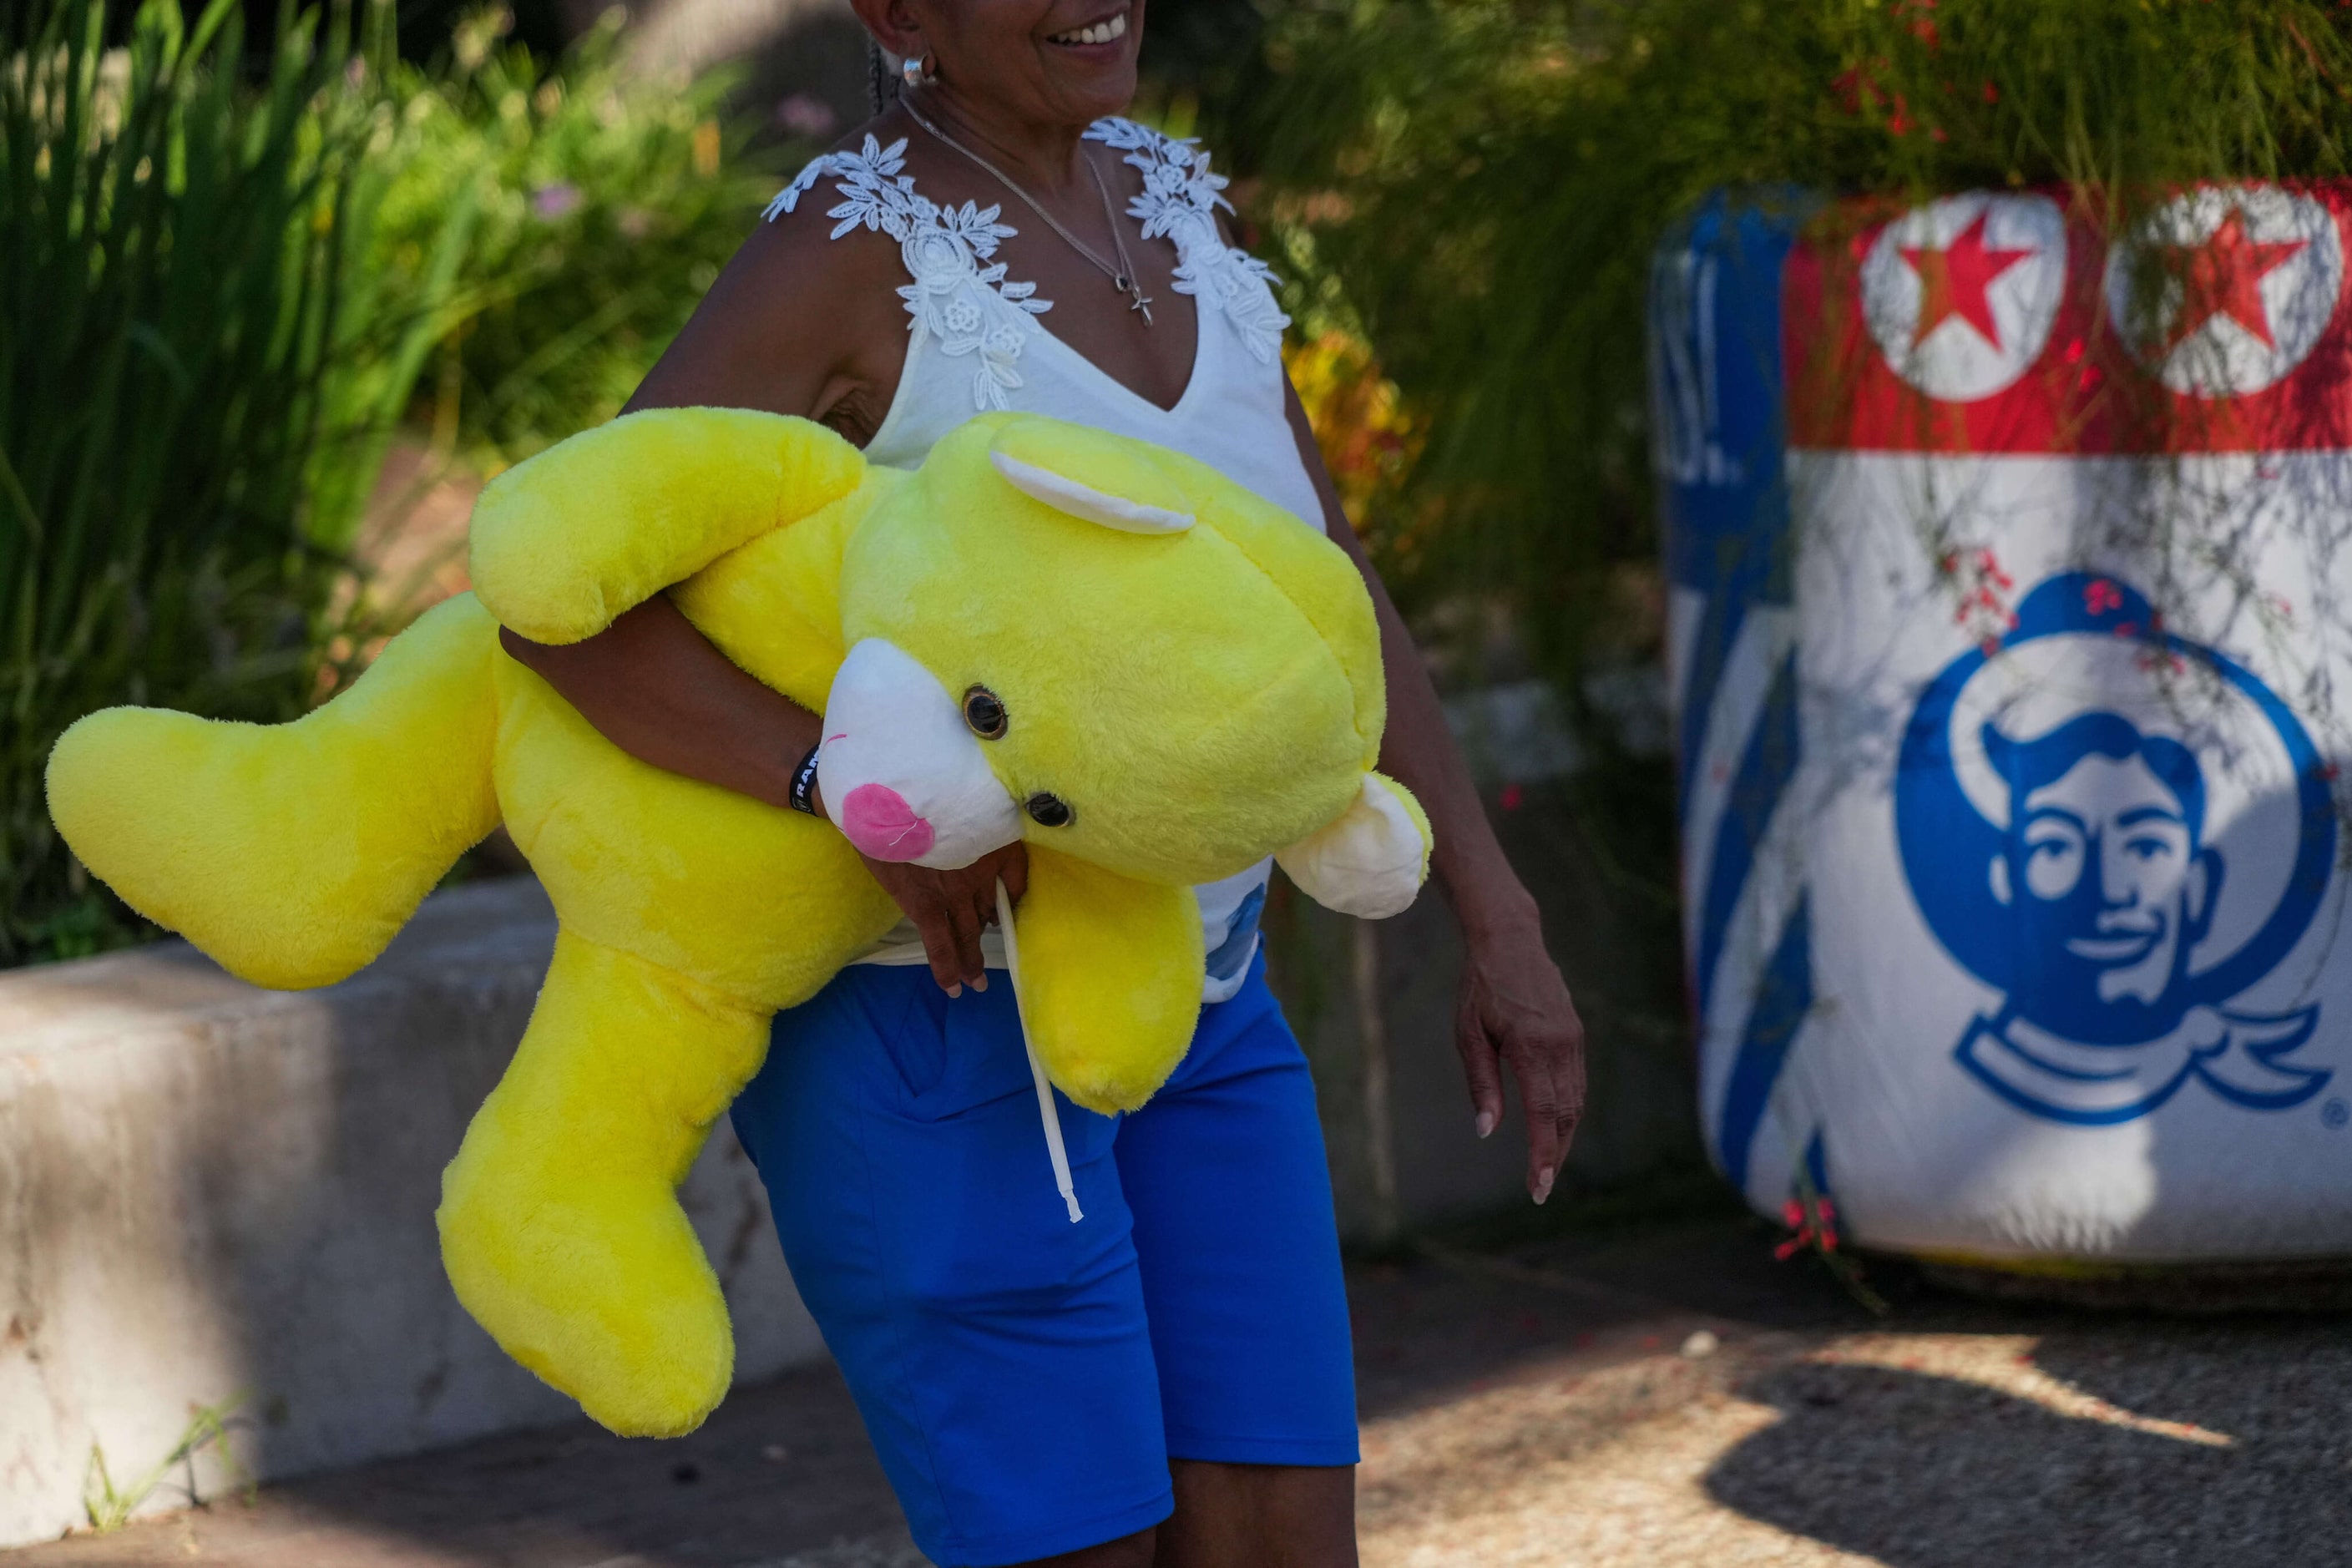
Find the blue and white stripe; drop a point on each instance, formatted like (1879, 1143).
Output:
(1732, 665)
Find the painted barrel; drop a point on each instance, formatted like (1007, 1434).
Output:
(2009, 573)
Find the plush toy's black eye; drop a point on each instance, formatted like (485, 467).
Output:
(1049, 810)
(985, 713)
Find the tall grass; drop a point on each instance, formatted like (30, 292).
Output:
(172, 239)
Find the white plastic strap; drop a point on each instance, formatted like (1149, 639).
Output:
(1046, 1112)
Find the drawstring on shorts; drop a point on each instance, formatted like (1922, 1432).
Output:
(1046, 1111)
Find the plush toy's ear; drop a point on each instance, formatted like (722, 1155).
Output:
(1370, 860)
(1089, 474)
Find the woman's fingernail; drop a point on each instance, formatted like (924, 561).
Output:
(954, 992)
(980, 983)
(1486, 1123)
(1543, 1184)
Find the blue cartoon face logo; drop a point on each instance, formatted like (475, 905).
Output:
(2075, 872)
(2105, 871)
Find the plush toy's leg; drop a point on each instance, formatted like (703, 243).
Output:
(1110, 979)
(559, 1222)
(292, 852)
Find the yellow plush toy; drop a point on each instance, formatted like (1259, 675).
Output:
(1046, 633)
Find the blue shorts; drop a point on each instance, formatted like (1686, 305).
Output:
(1024, 1379)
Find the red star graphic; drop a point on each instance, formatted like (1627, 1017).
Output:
(2223, 276)
(1952, 282)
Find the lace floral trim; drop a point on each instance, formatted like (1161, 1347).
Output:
(1180, 198)
(958, 295)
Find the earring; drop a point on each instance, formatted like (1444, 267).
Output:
(915, 70)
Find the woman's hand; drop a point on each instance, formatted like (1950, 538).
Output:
(951, 907)
(1513, 1009)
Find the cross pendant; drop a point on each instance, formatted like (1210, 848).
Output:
(1135, 299)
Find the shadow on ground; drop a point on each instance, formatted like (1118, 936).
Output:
(2223, 1443)
(1755, 1407)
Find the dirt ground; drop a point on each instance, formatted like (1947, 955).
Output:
(1659, 1394)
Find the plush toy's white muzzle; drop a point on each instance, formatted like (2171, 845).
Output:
(902, 776)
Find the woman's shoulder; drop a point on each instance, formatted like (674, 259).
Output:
(824, 248)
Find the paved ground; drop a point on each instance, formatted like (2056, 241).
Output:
(1660, 1394)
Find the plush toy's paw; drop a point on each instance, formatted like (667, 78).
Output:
(1109, 979)
(291, 853)
(559, 1222)
(563, 543)
(602, 1290)
(1370, 860)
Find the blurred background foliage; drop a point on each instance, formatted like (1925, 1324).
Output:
(1477, 186)
(598, 208)
(236, 267)
(247, 252)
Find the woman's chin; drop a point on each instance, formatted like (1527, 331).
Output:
(1091, 88)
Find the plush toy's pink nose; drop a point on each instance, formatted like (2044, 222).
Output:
(877, 819)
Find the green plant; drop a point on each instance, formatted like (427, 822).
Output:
(110, 1507)
(172, 239)
(599, 206)
(229, 275)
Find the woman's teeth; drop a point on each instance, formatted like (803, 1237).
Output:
(1101, 33)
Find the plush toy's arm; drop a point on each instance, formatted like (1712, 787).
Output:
(1110, 979)
(563, 543)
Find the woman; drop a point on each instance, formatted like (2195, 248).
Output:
(1170, 1382)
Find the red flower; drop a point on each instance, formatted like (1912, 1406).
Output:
(2100, 596)
(1818, 1228)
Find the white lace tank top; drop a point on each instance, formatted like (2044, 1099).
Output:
(974, 344)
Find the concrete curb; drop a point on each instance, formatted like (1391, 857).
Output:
(209, 1190)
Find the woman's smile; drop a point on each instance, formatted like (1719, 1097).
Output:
(1103, 33)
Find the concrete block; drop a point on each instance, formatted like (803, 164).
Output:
(208, 1190)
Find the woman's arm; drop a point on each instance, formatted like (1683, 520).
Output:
(1514, 1009)
(789, 328)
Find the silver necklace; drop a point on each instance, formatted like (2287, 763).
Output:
(1122, 276)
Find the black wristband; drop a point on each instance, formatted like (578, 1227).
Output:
(801, 797)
